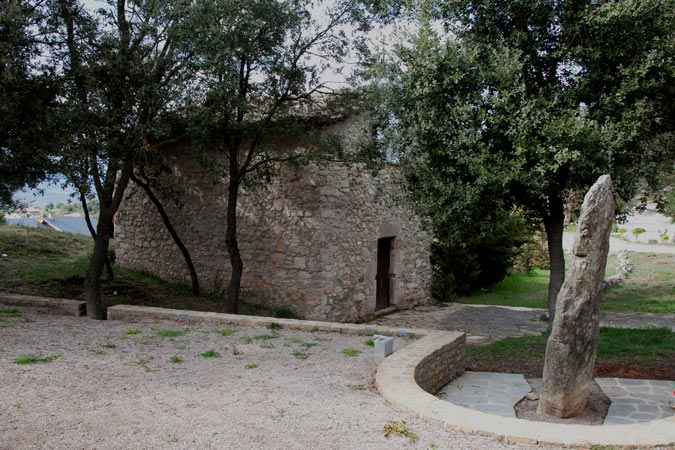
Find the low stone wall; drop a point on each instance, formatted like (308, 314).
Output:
(139, 313)
(442, 366)
(60, 306)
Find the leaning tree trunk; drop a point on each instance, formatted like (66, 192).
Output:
(92, 231)
(553, 224)
(172, 231)
(233, 249)
(92, 283)
(104, 231)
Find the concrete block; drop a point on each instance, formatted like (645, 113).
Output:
(384, 345)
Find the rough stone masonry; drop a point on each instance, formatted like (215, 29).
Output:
(309, 238)
(571, 348)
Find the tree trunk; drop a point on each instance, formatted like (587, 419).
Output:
(87, 219)
(92, 283)
(554, 236)
(233, 249)
(172, 231)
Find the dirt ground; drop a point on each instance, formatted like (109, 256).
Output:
(113, 386)
(594, 413)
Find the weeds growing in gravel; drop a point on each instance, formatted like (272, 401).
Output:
(133, 331)
(170, 333)
(226, 332)
(169, 438)
(266, 337)
(175, 360)
(34, 359)
(266, 345)
(351, 352)
(301, 354)
(236, 351)
(400, 428)
(274, 326)
(143, 363)
(369, 343)
(251, 366)
(210, 354)
(97, 351)
(356, 387)
(109, 346)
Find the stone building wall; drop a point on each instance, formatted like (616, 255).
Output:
(309, 239)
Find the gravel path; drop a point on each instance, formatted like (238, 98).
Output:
(109, 389)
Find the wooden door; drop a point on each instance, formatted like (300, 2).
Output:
(383, 265)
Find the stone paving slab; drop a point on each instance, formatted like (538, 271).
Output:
(633, 401)
(636, 401)
(495, 393)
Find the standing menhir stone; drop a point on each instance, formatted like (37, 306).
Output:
(570, 351)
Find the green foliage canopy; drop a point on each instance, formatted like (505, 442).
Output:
(27, 94)
(514, 103)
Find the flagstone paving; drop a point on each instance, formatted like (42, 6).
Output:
(632, 401)
(635, 401)
(487, 323)
(495, 393)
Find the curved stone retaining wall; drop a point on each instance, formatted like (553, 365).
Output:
(442, 365)
(396, 381)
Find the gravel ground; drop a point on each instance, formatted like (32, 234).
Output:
(109, 389)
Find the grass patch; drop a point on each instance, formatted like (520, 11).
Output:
(9, 312)
(369, 343)
(518, 289)
(109, 345)
(52, 264)
(226, 332)
(351, 352)
(34, 359)
(631, 342)
(274, 326)
(648, 347)
(251, 366)
(648, 289)
(210, 354)
(170, 333)
(356, 387)
(133, 331)
(175, 359)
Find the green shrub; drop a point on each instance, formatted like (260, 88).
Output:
(475, 261)
(637, 231)
(283, 312)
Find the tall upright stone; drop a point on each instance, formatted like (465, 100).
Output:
(571, 348)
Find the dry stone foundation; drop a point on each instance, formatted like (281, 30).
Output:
(309, 239)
